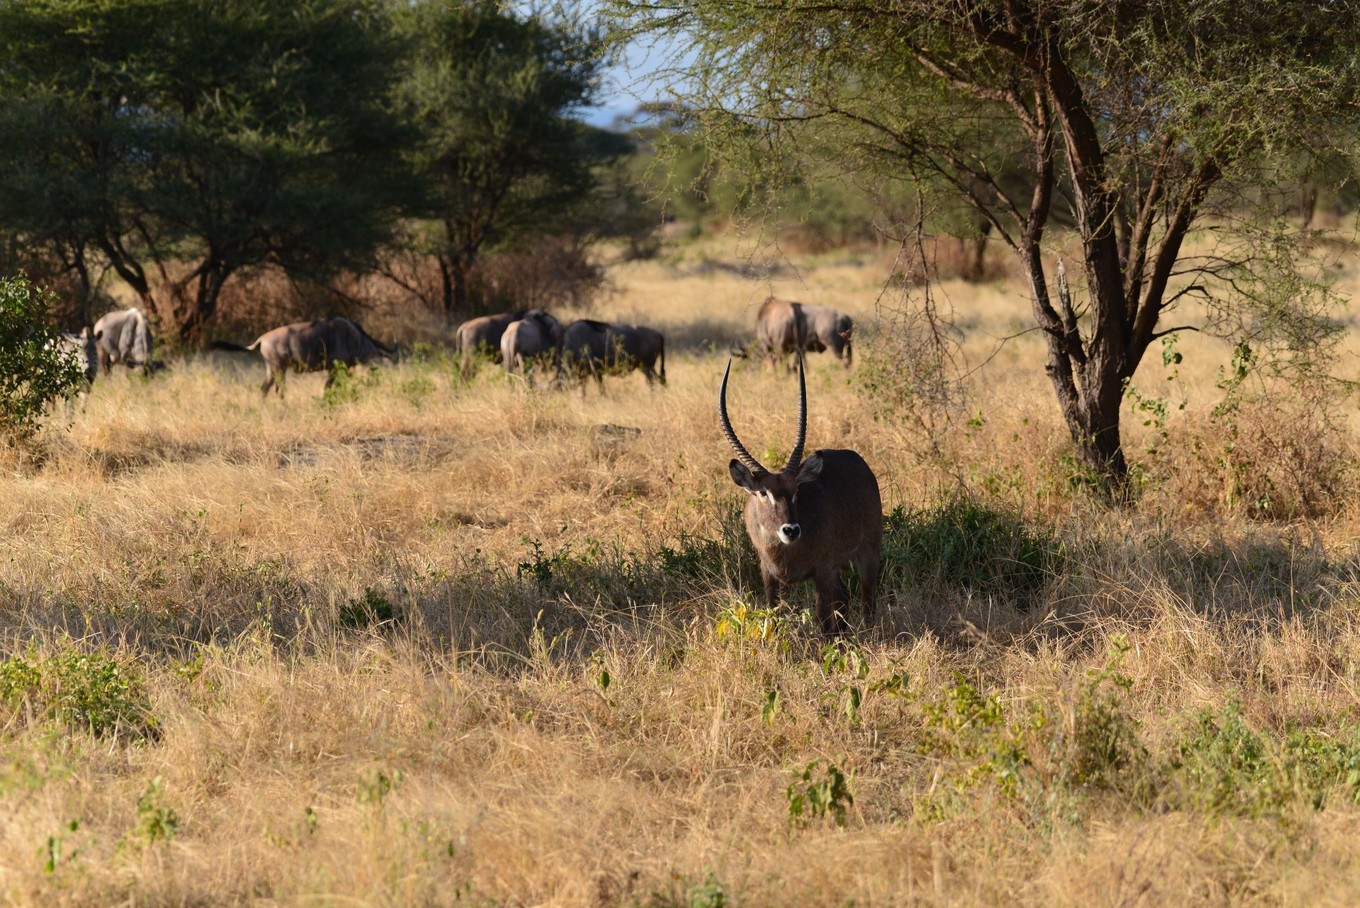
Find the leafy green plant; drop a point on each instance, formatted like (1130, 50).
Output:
(374, 789)
(708, 894)
(347, 386)
(812, 795)
(1103, 744)
(97, 692)
(843, 659)
(81, 689)
(34, 368)
(740, 621)
(156, 821)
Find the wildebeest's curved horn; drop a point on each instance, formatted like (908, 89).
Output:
(742, 454)
(796, 458)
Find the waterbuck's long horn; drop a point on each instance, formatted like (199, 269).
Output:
(796, 458)
(742, 454)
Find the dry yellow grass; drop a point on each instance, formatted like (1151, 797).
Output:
(437, 644)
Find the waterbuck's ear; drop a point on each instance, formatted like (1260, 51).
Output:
(811, 469)
(743, 477)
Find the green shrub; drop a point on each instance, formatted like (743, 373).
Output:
(966, 544)
(34, 370)
(80, 690)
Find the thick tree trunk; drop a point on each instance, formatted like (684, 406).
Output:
(1087, 380)
(201, 309)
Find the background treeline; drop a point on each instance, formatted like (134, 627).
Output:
(175, 147)
(429, 154)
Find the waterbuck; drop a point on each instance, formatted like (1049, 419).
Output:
(812, 519)
(783, 326)
(311, 347)
(591, 347)
(124, 337)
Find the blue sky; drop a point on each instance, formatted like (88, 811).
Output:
(633, 80)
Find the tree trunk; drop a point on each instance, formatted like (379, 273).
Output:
(201, 310)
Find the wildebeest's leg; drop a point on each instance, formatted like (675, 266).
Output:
(832, 601)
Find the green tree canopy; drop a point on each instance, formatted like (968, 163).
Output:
(220, 136)
(1138, 119)
(492, 93)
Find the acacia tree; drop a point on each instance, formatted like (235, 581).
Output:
(182, 142)
(1137, 120)
(500, 156)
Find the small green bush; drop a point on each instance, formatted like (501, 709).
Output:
(80, 690)
(966, 544)
(34, 370)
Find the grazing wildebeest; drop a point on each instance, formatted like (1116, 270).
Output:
(483, 335)
(783, 326)
(812, 519)
(84, 347)
(591, 347)
(538, 335)
(124, 337)
(311, 347)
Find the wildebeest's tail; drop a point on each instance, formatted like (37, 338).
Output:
(234, 348)
(663, 359)
(845, 326)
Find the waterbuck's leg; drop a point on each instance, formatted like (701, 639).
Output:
(832, 602)
(268, 380)
(771, 588)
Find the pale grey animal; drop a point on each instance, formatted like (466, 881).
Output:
(124, 337)
(311, 347)
(85, 348)
(537, 336)
(483, 335)
(784, 326)
(812, 519)
(592, 348)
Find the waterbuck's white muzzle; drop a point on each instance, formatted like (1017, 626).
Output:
(789, 533)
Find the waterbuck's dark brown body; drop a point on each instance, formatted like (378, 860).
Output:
(812, 520)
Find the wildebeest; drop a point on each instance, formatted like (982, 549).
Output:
(483, 335)
(812, 519)
(537, 335)
(124, 337)
(311, 347)
(84, 347)
(591, 347)
(783, 326)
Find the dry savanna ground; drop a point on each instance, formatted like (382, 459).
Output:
(417, 641)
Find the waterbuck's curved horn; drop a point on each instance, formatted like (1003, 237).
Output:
(796, 458)
(742, 454)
